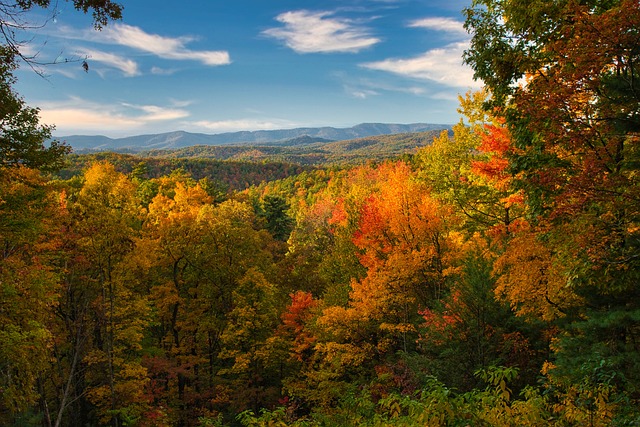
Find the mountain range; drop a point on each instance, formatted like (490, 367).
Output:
(281, 137)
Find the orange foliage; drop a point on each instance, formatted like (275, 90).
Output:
(294, 320)
(530, 279)
(497, 144)
(407, 250)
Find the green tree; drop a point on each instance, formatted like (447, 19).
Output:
(28, 287)
(565, 77)
(279, 223)
(22, 137)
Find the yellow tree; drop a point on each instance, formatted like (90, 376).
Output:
(470, 170)
(102, 315)
(196, 255)
(28, 286)
(407, 247)
(252, 368)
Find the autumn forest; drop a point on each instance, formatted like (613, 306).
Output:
(489, 278)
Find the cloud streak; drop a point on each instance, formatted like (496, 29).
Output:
(320, 32)
(80, 115)
(164, 47)
(243, 124)
(446, 25)
(127, 66)
(363, 88)
(442, 65)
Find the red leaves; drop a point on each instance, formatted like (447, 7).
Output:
(294, 323)
(442, 325)
(298, 312)
(497, 145)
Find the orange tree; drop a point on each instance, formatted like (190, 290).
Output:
(565, 77)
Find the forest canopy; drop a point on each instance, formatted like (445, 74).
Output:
(491, 278)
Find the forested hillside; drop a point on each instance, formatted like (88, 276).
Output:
(231, 175)
(180, 139)
(490, 279)
(307, 151)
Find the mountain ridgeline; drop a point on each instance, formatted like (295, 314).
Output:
(283, 137)
(240, 166)
(307, 150)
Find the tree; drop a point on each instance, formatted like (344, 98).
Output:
(13, 21)
(574, 120)
(279, 223)
(22, 137)
(28, 287)
(470, 170)
(245, 343)
(404, 242)
(565, 77)
(202, 265)
(102, 310)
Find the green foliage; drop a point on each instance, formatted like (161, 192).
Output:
(22, 137)
(274, 210)
(492, 281)
(220, 176)
(321, 153)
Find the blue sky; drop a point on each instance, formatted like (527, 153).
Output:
(212, 67)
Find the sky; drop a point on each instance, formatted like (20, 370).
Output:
(224, 66)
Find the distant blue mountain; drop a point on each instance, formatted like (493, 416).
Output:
(284, 137)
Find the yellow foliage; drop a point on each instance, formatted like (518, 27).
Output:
(530, 279)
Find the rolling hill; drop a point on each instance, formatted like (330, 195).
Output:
(283, 137)
(357, 150)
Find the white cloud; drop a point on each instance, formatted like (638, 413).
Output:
(28, 50)
(162, 71)
(442, 65)
(70, 73)
(127, 66)
(77, 115)
(154, 113)
(243, 125)
(447, 25)
(81, 120)
(445, 96)
(161, 46)
(319, 32)
(360, 92)
(364, 88)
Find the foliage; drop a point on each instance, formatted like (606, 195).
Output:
(28, 285)
(490, 280)
(308, 153)
(22, 137)
(222, 175)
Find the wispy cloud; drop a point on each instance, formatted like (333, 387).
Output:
(363, 88)
(163, 71)
(446, 25)
(127, 66)
(243, 124)
(155, 113)
(443, 66)
(164, 47)
(79, 115)
(320, 32)
(360, 92)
